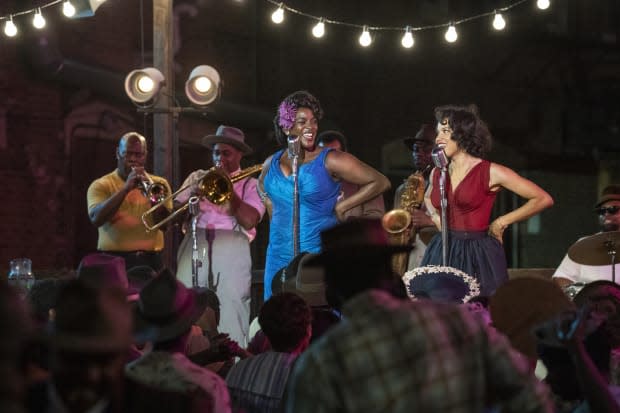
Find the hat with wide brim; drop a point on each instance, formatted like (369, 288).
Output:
(230, 136)
(520, 305)
(308, 283)
(166, 309)
(610, 193)
(425, 135)
(440, 283)
(105, 270)
(356, 240)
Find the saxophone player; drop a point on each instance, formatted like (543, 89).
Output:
(412, 190)
(116, 202)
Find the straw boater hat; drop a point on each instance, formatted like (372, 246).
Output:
(228, 135)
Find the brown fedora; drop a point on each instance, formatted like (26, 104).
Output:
(228, 135)
(610, 193)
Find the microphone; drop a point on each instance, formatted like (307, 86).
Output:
(439, 157)
(294, 146)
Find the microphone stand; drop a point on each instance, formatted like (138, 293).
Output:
(194, 210)
(293, 153)
(444, 216)
(611, 250)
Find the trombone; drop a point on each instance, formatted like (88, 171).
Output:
(215, 186)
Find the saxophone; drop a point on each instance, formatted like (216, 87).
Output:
(397, 222)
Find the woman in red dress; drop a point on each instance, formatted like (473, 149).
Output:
(472, 183)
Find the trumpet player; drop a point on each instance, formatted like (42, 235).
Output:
(116, 202)
(223, 234)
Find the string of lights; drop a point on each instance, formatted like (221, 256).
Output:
(318, 30)
(407, 41)
(38, 21)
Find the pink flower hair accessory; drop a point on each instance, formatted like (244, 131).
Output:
(286, 115)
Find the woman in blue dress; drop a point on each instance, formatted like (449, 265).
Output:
(319, 172)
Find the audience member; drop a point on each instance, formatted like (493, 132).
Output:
(397, 355)
(100, 270)
(89, 342)
(257, 384)
(167, 310)
(15, 329)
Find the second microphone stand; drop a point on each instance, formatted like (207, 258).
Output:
(194, 210)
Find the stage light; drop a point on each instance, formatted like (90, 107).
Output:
(407, 40)
(203, 85)
(9, 28)
(143, 85)
(498, 22)
(543, 4)
(365, 38)
(68, 9)
(451, 34)
(319, 29)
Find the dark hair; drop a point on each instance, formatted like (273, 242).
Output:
(284, 319)
(298, 99)
(468, 130)
(331, 136)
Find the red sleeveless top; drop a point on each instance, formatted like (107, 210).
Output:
(469, 207)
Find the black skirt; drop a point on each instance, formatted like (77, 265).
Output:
(476, 253)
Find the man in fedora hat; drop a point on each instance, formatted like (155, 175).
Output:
(420, 147)
(374, 208)
(116, 202)
(164, 315)
(607, 208)
(224, 233)
(397, 355)
(89, 341)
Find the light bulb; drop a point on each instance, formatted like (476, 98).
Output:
(278, 16)
(202, 84)
(9, 28)
(365, 38)
(407, 40)
(38, 20)
(498, 22)
(543, 4)
(145, 84)
(451, 34)
(319, 29)
(68, 9)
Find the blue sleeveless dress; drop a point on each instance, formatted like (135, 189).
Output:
(318, 194)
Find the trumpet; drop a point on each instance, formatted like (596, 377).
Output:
(153, 191)
(215, 186)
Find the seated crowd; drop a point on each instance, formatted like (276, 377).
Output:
(341, 333)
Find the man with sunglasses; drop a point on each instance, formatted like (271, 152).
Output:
(608, 210)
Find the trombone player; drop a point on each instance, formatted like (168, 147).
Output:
(223, 234)
(116, 202)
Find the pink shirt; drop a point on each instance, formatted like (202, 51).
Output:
(217, 216)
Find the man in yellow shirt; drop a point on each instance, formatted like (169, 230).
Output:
(116, 202)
